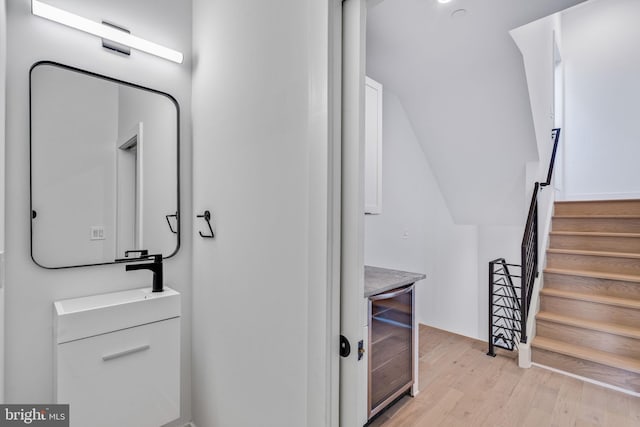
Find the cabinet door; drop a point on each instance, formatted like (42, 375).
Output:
(373, 148)
(128, 378)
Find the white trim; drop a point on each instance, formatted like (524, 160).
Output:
(353, 375)
(600, 196)
(335, 212)
(588, 380)
(323, 299)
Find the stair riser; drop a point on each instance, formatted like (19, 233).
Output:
(592, 285)
(624, 346)
(596, 243)
(608, 207)
(596, 371)
(590, 311)
(594, 263)
(605, 225)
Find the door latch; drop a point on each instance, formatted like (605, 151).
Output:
(345, 347)
(360, 349)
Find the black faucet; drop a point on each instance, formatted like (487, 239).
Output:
(155, 266)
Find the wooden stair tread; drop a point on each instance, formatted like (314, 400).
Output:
(593, 274)
(611, 328)
(594, 253)
(600, 299)
(579, 352)
(593, 234)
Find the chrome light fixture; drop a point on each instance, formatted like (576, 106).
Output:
(72, 20)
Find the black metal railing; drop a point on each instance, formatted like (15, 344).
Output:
(505, 294)
(529, 258)
(528, 268)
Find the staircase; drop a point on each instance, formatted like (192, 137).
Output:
(589, 318)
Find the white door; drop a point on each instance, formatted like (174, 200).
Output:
(353, 385)
(129, 169)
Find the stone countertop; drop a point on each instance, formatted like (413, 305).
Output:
(378, 280)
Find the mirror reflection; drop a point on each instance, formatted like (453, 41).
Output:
(104, 168)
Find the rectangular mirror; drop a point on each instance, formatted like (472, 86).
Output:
(104, 168)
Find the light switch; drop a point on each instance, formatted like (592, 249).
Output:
(96, 232)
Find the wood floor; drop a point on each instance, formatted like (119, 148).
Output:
(461, 386)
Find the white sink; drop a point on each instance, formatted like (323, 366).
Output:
(84, 317)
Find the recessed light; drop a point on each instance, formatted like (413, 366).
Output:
(444, 1)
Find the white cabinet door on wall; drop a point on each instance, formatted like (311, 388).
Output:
(373, 148)
(135, 372)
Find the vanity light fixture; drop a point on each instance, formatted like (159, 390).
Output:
(69, 19)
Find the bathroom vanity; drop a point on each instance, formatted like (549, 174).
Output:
(117, 358)
(392, 336)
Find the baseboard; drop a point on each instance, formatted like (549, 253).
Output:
(524, 355)
(587, 380)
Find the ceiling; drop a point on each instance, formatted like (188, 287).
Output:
(462, 83)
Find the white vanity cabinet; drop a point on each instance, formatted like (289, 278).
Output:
(128, 376)
(373, 147)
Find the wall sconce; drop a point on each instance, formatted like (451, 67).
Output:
(104, 31)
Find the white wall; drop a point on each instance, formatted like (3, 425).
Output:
(74, 123)
(31, 290)
(535, 41)
(3, 63)
(494, 242)
(416, 232)
(601, 45)
(476, 172)
(260, 141)
(462, 83)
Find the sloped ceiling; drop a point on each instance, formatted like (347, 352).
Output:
(462, 82)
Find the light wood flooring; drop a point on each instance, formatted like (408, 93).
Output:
(461, 386)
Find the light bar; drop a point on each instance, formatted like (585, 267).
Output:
(98, 29)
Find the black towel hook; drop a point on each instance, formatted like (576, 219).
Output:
(207, 217)
(175, 215)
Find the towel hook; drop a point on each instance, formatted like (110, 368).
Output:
(175, 215)
(207, 217)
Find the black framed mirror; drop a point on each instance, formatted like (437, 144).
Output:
(104, 168)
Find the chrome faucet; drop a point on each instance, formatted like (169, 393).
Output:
(155, 266)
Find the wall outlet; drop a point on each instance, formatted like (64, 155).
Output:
(96, 232)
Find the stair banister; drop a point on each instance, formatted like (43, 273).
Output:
(528, 266)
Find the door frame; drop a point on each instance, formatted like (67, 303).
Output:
(353, 372)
